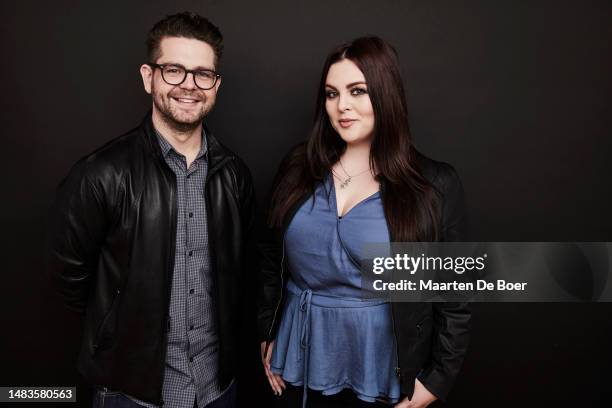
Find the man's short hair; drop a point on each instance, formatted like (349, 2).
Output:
(188, 25)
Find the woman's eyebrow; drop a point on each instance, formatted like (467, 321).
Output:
(352, 84)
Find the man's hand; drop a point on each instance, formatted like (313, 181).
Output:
(420, 399)
(276, 381)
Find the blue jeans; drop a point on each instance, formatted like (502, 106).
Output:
(116, 399)
(112, 399)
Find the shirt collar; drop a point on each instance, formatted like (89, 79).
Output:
(166, 147)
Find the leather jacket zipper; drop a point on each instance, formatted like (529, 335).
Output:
(211, 253)
(107, 316)
(398, 370)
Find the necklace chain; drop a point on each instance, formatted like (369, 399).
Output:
(344, 183)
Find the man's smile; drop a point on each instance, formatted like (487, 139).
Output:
(186, 100)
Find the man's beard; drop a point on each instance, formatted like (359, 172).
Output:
(176, 119)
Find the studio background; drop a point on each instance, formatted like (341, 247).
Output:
(515, 94)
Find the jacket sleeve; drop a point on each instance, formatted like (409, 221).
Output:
(451, 324)
(77, 227)
(271, 285)
(271, 254)
(246, 296)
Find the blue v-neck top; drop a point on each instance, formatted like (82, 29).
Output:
(329, 334)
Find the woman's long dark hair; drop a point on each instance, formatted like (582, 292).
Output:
(410, 203)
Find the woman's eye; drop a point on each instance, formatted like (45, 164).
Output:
(331, 94)
(358, 91)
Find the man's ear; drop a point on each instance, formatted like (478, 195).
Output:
(218, 84)
(147, 77)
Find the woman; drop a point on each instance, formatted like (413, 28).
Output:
(357, 179)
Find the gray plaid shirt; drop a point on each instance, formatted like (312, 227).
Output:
(192, 354)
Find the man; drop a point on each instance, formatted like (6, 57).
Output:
(149, 235)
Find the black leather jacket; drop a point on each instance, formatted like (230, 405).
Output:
(111, 255)
(432, 338)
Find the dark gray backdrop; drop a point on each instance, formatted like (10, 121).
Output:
(515, 94)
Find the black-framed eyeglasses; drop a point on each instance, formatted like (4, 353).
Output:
(175, 74)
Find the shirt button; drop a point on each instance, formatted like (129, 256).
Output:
(189, 175)
(191, 327)
(190, 215)
(191, 359)
(191, 291)
(190, 253)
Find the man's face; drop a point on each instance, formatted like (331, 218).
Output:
(182, 106)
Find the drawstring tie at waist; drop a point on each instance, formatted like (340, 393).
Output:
(306, 299)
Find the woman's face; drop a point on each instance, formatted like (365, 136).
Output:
(348, 104)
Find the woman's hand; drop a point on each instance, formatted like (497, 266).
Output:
(276, 381)
(420, 399)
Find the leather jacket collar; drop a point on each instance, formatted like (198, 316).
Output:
(217, 153)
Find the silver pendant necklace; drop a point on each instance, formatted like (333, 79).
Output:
(344, 183)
